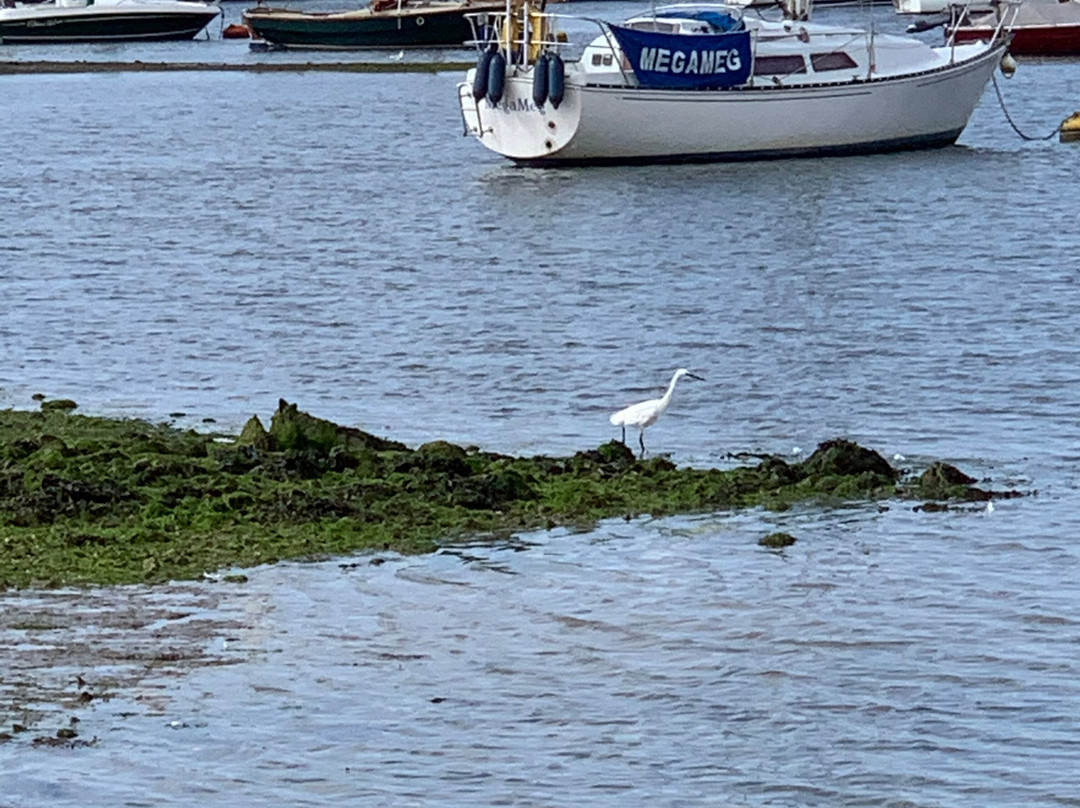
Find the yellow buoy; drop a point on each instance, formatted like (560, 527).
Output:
(1008, 65)
(1070, 128)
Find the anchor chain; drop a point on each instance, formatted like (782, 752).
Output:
(1008, 117)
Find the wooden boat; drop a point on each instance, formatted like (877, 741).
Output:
(383, 24)
(62, 21)
(700, 82)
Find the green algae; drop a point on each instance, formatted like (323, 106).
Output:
(86, 500)
(62, 404)
(777, 541)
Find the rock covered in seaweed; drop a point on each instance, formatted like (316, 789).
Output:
(92, 500)
(777, 541)
(944, 481)
(255, 434)
(290, 428)
(58, 405)
(844, 458)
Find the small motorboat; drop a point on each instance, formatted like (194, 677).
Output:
(382, 24)
(696, 82)
(62, 21)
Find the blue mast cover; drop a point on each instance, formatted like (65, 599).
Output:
(686, 61)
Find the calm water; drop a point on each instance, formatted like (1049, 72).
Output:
(207, 243)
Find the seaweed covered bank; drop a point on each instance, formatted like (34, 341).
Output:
(87, 500)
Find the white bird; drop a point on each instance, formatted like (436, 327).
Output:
(400, 55)
(645, 413)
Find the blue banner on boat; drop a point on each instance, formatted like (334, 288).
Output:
(686, 61)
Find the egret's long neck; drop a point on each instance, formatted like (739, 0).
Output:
(670, 389)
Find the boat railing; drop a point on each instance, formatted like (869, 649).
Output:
(521, 34)
(1005, 12)
(791, 31)
(525, 31)
(532, 32)
(676, 9)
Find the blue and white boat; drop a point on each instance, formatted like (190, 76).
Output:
(703, 82)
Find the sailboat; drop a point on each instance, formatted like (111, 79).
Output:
(694, 82)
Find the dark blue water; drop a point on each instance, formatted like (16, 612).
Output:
(206, 243)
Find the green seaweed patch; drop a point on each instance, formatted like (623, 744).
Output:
(86, 500)
(943, 483)
(777, 541)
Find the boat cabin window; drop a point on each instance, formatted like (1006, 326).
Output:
(654, 25)
(602, 59)
(837, 60)
(779, 65)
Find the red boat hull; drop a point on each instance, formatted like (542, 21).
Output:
(1032, 40)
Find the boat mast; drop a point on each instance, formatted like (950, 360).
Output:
(508, 29)
(797, 10)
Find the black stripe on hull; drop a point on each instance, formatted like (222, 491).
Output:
(921, 142)
(140, 28)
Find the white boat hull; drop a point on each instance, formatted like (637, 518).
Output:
(920, 7)
(630, 124)
(67, 21)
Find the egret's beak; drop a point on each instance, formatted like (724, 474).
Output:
(693, 376)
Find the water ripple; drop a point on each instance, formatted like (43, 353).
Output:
(208, 243)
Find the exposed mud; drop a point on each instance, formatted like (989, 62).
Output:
(70, 652)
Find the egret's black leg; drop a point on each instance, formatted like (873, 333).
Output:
(624, 435)
(641, 438)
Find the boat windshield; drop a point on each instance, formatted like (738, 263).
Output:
(715, 19)
(720, 21)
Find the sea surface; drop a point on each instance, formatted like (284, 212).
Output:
(191, 247)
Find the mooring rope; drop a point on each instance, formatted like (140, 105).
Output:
(1008, 117)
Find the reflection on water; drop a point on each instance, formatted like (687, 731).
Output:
(889, 657)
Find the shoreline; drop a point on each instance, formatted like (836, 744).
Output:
(48, 66)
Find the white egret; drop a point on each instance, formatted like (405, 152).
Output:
(645, 413)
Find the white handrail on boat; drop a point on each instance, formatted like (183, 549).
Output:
(1006, 11)
(490, 27)
(533, 32)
